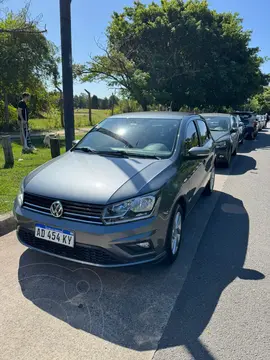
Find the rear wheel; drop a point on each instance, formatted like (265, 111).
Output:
(174, 234)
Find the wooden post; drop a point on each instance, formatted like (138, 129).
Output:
(112, 103)
(8, 153)
(55, 147)
(89, 106)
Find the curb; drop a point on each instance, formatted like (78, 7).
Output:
(7, 223)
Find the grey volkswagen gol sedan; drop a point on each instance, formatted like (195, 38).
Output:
(225, 131)
(120, 195)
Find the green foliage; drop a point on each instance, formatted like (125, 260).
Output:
(127, 105)
(27, 58)
(178, 52)
(260, 102)
(81, 101)
(94, 102)
(103, 103)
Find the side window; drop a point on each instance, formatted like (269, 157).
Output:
(204, 133)
(192, 138)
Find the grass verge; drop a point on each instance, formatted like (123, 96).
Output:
(10, 179)
(81, 120)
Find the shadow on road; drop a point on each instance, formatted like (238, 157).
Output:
(130, 307)
(262, 142)
(218, 262)
(240, 165)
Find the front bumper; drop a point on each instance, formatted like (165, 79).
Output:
(97, 245)
(221, 155)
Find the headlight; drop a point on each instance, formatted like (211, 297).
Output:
(21, 193)
(129, 210)
(221, 144)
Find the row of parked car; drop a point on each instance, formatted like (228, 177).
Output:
(230, 130)
(120, 196)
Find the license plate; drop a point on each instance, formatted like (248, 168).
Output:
(63, 237)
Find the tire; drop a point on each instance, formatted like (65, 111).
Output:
(235, 151)
(228, 160)
(173, 245)
(210, 185)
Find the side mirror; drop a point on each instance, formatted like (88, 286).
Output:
(241, 123)
(233, 130)
(75, 142)
(198, 152)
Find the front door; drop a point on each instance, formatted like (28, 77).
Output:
(191, 171)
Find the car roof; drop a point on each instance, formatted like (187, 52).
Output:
(215, 114)
(243, 112)
(169, 115)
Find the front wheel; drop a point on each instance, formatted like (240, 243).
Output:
(174, 234)
(235, 151)
(210, 185)
(228, 160)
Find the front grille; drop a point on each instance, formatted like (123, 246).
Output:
(88, 254)
(72, 210)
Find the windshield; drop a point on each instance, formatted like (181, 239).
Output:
(218, 123)
(132, 137)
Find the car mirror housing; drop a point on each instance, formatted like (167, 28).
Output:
(233, 130)
(198, 152)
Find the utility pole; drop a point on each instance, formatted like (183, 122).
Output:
(65, 22)
(89, 106)
(61, 106)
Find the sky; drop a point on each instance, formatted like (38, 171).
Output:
(91, 17)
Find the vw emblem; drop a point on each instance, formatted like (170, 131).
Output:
(57, 209)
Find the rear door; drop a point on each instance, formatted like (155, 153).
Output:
(206, 141)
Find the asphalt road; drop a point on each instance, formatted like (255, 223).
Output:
(213, 303)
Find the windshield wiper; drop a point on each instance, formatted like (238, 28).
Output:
(119, 153)
(85, 149)
(145, 156)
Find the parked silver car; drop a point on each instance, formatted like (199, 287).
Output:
(120, 196)
(261, 122)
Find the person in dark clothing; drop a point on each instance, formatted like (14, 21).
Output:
(23, 123)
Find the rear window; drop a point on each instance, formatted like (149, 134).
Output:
(245, 117)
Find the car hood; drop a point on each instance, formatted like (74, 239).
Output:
(220, 135)
(92, 178)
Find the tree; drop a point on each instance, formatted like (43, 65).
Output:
(27, 58)
(94, 102)
(180, 52)
(261, 102)
(113, 100)
(103, 103)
